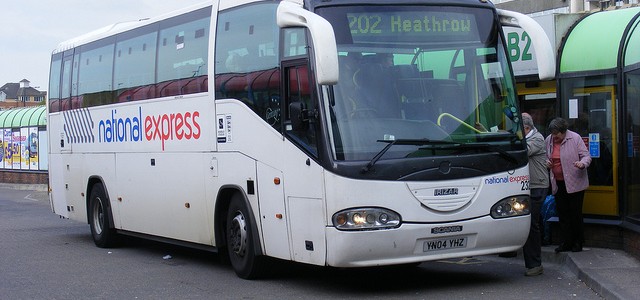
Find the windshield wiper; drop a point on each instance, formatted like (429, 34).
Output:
(414, 142)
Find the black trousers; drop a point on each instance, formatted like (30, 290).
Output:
(531, 250)
(569, 209)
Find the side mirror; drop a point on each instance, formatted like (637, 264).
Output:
(326, 57)
(299, 116)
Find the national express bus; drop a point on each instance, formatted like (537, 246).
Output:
(334, 133)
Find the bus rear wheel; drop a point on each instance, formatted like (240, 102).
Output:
(240, 241)
(104, 236)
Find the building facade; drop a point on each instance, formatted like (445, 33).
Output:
(20, 94)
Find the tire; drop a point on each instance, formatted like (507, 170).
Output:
(241, 242)
(104, 235)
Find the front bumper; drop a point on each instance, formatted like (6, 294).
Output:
(406, 244)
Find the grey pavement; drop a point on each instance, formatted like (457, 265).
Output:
(26, 187)
(613, 274)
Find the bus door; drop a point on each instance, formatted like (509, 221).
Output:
(592, 114)
(61, 134)
(303, 180)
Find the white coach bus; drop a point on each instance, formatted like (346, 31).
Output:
(336, 133)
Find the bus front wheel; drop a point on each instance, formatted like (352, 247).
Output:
(103, 235)
(240, 241)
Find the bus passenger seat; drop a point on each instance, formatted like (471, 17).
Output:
(375, 91)
(404, 71)
(416, 100)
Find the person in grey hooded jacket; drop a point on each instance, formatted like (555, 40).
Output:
(538, 185)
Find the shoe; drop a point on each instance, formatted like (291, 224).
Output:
(535, 271)
(576, 248)
(562, 248)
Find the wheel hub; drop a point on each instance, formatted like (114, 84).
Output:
(238, 235)
(98, 216)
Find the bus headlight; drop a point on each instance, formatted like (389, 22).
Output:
(511, 207)
(368, 218)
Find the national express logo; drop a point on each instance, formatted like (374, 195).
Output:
(79, 127)
(522, 180)
(506, 179)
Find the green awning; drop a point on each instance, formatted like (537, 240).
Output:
(23, 117)
(632, 54)
(6, 117)
(594, 42)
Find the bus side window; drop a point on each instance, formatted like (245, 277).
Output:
(246, 61)
(54, 82)
(183, 54)
(299, 104)
(65, 87)
(76, 99)
(299, 95)
(135, 63)
(95, 73)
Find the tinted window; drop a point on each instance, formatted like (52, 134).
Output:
(95, 70)
(135, 65)
(246, 62)
(183, 53)
(166, 58)
(54, 82)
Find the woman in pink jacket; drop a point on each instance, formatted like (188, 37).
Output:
(568, 159)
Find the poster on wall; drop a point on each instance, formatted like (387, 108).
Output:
(15, 150)
(11, 149)
(24, 148)
(4, 147)
(32, 144)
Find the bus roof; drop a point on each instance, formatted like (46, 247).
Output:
(122, 27)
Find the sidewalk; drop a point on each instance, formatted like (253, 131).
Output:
(25, 187)
(613, 274)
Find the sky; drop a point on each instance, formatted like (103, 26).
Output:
(31, 29)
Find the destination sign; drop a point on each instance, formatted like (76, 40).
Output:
(412, 26)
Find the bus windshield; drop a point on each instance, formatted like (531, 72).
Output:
(435, 79)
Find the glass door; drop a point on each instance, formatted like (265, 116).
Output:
(591, 112)
(630, 136)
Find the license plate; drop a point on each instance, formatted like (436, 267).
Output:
(445, 243)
